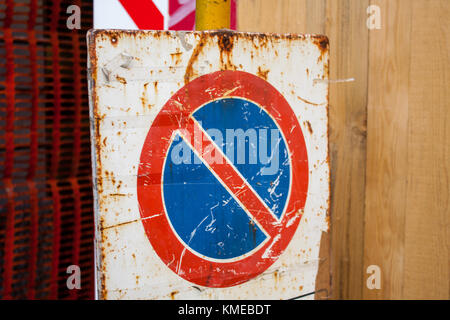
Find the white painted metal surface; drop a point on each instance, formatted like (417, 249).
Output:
(134, 75)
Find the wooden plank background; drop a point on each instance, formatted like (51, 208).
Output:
(389, 138)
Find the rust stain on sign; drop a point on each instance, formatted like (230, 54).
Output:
(144, 82)
(263, 73)
(189, 69)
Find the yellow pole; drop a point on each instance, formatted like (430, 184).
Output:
(212, 14)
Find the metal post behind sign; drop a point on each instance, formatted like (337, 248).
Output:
(211, 14)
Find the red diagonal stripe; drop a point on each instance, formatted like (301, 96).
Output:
(230, 178)
(144, 13)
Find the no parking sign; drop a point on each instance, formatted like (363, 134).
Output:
(211, 163)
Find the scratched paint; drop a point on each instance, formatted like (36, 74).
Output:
(133, 74)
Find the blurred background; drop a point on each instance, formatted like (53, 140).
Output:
(389, 140)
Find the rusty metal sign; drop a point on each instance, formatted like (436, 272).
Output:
(210, 154)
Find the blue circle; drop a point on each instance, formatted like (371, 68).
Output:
(205, 216)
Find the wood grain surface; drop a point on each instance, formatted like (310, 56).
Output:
(389, 138)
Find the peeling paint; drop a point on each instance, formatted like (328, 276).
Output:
(132, 76)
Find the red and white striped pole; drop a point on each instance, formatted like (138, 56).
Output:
(149, 14)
